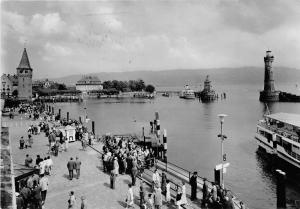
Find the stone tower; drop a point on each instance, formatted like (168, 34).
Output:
(269, 94)
(24, 73)
(207, 86)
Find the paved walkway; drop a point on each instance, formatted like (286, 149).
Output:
(93, 183)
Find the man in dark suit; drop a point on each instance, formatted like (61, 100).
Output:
(71, 167)
(193, 183)
(77, 167)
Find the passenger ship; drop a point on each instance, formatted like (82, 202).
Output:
(279, 134)
(187, 93)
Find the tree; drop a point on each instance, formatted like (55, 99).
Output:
(140, 85)
(62, 87)
(150, 88)
(107, 85)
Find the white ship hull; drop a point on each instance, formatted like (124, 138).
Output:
(279, 151)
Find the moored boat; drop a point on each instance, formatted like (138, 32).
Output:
(279, 134)
(187, 93)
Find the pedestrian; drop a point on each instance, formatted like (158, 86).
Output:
(193, 183)
(129, 197)
(22, 142)
(155, 178)
(19, 201)
(49, 164)
(116, 166)
(26, 193)
(163, 182)
(142, 194)
(30, 140)
(38, 160)
(168, 191)
(56, 148)
(42, 166)
(112, 179)
(178, 196)
(214, 192)
(150, 201)
(28, 161)
(83, 203)
(77, 167)
(44, 183)
(37, 195)
(134, 171)
(71, 167)
(204, 192)
(72, 200)
(157, 197)
(183, 196)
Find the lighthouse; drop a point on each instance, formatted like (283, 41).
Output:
(269, 94)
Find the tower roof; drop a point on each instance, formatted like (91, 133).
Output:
(24, 63)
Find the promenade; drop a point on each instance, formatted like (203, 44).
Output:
(93, 183)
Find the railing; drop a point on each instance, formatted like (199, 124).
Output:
(293, 154)
(282, 131)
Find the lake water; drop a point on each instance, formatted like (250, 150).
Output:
(192, 129)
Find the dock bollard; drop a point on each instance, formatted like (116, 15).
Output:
(80, 121)
(151, 127)
(93, 127)
(68, 116)
(165, 144)
(217, 176)
(281, 194)
(158, 128)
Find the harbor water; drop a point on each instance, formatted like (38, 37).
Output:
(192, 129)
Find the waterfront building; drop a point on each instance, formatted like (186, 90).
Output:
(89, 83)
(43, 83)
(269, 94)
(9, 84)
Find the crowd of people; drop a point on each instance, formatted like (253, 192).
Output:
(121, 155)
(33, 190)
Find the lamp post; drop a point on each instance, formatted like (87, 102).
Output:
(222, 119)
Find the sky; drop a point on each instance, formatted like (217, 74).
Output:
(80, 37)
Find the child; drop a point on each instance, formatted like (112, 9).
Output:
(150, 201)
(83, 203)
(22, 142)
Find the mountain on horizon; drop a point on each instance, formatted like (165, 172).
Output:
(223, 76)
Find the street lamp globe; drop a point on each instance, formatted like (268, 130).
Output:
(222, 117)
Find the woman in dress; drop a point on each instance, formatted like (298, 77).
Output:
(183, 196)
(168, 191)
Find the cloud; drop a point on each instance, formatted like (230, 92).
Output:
(12, 21)
(56, 50)
(47, 24)
(257, 16)
(152, 34)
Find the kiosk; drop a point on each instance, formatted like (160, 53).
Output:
(70, 132)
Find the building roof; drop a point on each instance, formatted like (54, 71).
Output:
(24, 63)
(89, 80)
(292, 119)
